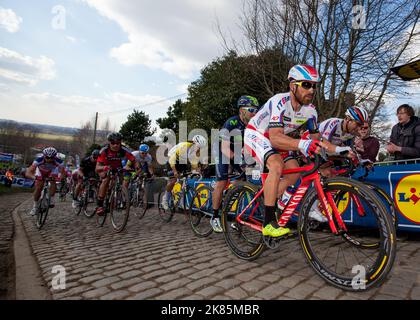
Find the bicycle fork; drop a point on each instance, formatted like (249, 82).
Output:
(327, 202)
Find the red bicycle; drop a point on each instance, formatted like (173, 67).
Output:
(346, 256)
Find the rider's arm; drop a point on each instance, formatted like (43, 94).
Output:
(30, 172)
(280, 141)
(226, 149)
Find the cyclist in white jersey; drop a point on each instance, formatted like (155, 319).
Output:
(144, 159)
(340, 133)
(273, 132)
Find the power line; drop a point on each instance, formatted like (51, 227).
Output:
(145, 105)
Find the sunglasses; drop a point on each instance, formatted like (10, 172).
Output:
(250, 109)
(143, 153)
(306, 85)
(364, 128)
(115, 142)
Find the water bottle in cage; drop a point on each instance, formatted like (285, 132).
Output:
(281, 204)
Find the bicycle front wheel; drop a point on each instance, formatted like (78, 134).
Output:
(242, 225)
(43, 208)
(89, 201)
(361, 255)
(166, 212)
(140, 208)
(201, 211)
(119, 209)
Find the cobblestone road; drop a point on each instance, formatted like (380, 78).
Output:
(156, 260)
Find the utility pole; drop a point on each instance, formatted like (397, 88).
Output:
(94, 130)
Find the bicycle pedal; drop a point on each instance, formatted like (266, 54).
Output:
(274, 243)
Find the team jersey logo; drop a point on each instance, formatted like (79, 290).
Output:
(233, 122)
(407, 197)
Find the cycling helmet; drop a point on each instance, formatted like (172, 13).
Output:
(95, 153)
(144, 148)
(357, 114)
(303, 72)
(49, 152)
(114, 136)
(199, 140)
(248, 101)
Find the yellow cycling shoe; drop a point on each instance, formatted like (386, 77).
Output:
(270, 230)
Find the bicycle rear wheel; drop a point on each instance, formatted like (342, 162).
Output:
(166, 214)
(119, 209)
(358, 257)
(389, 203)
(244, 241)
(201, 211)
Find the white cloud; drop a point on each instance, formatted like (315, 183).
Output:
(9, 20)
(18, 68)
(178, 37)
(182, 88)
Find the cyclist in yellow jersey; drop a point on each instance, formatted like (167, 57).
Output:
(181, 158)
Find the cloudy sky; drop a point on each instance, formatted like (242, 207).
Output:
(60, 62)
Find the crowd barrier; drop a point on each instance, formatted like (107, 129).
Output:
(19, 182)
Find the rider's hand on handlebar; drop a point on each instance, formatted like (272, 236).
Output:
(310, 147)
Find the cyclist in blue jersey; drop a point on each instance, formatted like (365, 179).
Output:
(230, 140)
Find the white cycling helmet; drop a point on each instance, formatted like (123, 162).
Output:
(303, 72)
(199, 140)
(357, 114)
(49, 152)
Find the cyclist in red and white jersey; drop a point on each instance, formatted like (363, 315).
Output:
(49, 165)
(273, 133)
(110, 158)
(341, 132)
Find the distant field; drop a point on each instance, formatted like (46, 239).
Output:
(48, 136)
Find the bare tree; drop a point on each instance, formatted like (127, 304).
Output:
(353, 44)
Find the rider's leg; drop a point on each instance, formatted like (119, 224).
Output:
(78, 188)
(222, 170)
(289, 179)
(102, 189)
(275, 166)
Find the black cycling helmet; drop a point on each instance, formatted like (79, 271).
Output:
(114, 136)
(95, 153)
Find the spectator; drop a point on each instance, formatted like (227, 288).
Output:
(366, 145)
(405, 135)
(9, 178)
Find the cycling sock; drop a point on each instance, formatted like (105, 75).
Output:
(216, 213)
(269, 215)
